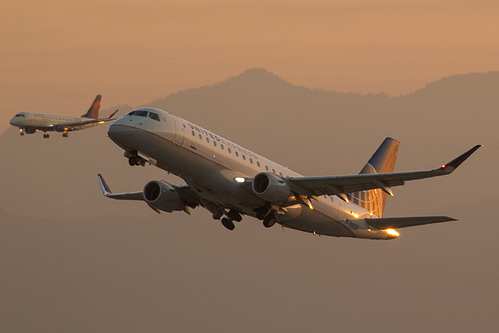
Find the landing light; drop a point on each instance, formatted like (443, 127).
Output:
(101, 122)
(392, 232)
(239, 179)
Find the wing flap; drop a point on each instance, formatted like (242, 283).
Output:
(405, 222)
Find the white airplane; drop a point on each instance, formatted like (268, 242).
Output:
(231, 181)
(33, 122)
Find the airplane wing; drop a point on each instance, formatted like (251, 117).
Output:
(185, 192)
(341, 185)
(404, 222)
(68, 127)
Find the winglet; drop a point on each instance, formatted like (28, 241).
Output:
(111, 115)
(103, 185)
(458, 160)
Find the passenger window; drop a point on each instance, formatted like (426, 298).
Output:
(215, 143)
(251, 160)
(193, 133)
(237, 154)
(200, 136)
(267, 167)
(207, 140)
(222, 146)
(230, 151)
(154, 116)
(258, 163)
(244, 157)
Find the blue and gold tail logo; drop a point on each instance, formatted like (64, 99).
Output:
(382, 161)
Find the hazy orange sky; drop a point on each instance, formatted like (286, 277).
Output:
(57, 55)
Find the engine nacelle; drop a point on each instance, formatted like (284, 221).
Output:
(162, 196)
(271, 188)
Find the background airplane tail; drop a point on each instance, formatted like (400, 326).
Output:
(382, 161)
(93, 112)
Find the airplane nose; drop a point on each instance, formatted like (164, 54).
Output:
(115, 132)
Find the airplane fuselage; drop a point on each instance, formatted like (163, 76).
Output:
(43, 121)
(213, 167)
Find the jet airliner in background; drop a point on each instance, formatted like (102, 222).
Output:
(231, 181)
(30, 123)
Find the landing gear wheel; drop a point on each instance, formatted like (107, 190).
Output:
(228, 223)
(270, 219)
(64, 135)
(46, 135)
(132, 160)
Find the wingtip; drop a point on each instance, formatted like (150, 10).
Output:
(460, 159)
(103, 185)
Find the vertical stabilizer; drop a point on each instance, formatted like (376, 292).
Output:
(382, 161)
(93, 112)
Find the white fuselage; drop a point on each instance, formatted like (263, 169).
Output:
(42, 120)
(210, 164)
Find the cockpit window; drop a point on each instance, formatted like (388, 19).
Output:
(19, 115)
(154, 116)
(138, 113)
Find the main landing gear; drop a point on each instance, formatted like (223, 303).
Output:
(270, 219)
(46, 135)
(230, 217)
(268, 215)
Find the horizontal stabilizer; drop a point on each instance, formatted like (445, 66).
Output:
(404, 222)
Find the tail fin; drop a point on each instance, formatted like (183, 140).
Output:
(93, 112)
(382, 161)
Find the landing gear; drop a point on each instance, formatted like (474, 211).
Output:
(230, 217)
(21, 131)
(46, 135)
(134, 158)
(228, 223)
(270, 219)
(65, 134)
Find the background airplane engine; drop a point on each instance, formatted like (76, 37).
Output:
(271, 188)
(162, 196)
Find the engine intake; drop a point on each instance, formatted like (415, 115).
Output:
(271, 188)
(162, 196)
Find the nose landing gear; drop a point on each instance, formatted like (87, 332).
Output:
(134, 158)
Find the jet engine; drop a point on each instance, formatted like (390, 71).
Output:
(271, 188)
(162, 196)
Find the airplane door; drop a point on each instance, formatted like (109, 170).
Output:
(179, 132)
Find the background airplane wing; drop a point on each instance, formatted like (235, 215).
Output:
(341, 185)
(83, 124)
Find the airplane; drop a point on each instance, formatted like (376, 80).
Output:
(30, 123)
(231, 181)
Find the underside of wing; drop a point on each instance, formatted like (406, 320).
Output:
(404, 222)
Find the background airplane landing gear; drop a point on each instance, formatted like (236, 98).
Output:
(64, 135)
(46, 135)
